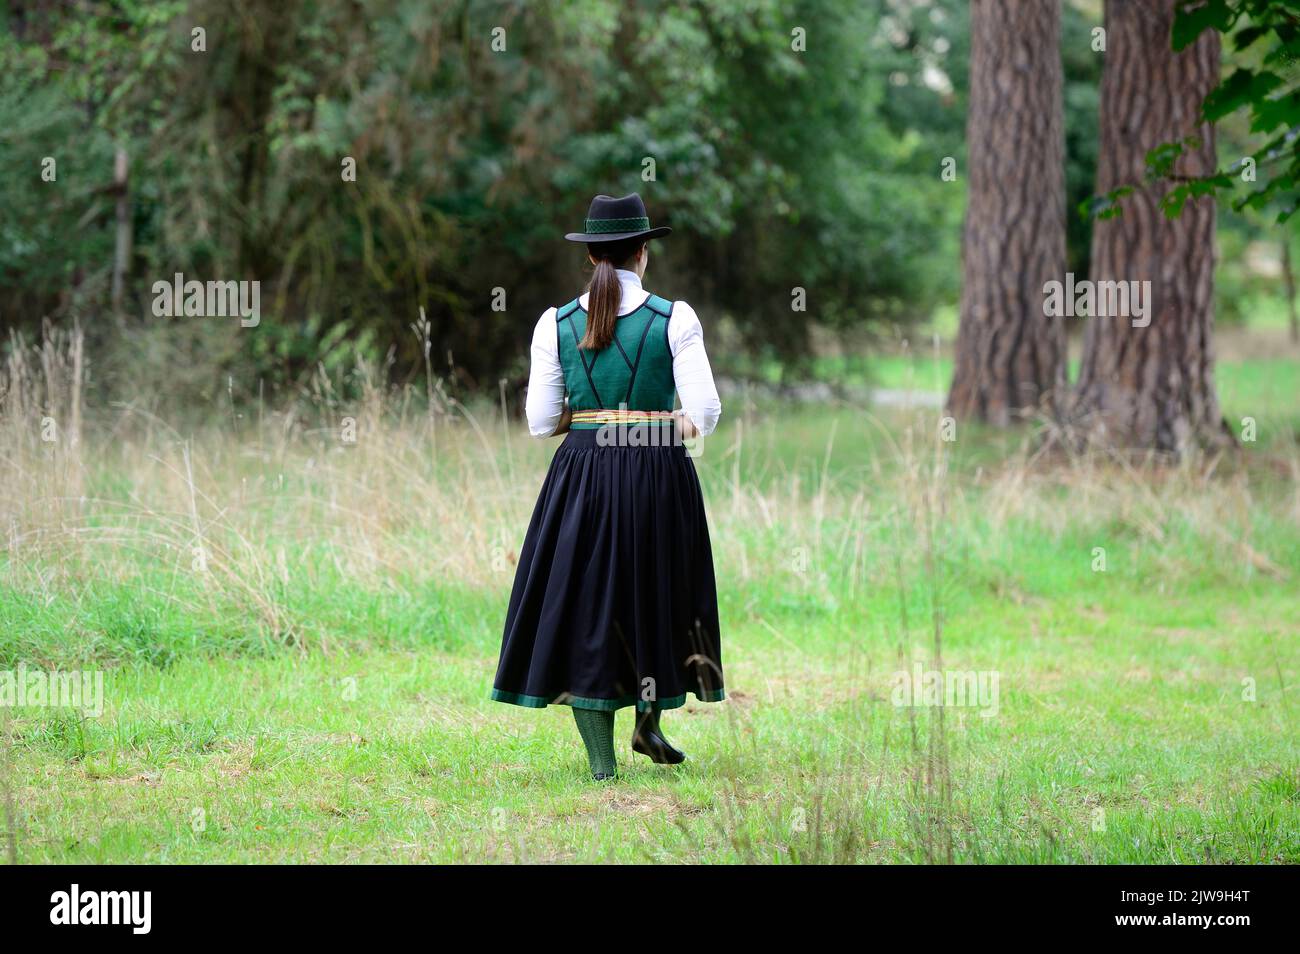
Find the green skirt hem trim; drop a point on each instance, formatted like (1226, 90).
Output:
(602, 705)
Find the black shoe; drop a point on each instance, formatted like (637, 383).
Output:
(647, 740)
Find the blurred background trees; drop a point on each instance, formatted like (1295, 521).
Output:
(792, 144)
(789, 144)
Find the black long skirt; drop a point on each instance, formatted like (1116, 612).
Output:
(614, 602)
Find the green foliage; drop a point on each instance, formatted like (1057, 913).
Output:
(1082, 76)
(1265, 35)
(777, 167)
(39, 217)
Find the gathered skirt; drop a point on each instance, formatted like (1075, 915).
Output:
(614, 602)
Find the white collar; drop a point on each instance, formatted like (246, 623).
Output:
(631, 295)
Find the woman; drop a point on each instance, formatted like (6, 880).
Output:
(614, 602)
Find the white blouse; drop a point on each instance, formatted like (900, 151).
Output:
(691, 372)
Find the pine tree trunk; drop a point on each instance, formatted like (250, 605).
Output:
(1153, 387)
(1010, 356)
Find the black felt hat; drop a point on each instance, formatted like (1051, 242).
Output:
(613, 220)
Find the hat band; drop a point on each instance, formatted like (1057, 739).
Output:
(639, 223)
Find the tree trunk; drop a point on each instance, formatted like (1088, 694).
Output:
(122, 237)
(1153, 387)
(1010, 356)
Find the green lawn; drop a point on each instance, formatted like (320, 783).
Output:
(1265, 388)
(318, 691)
(1251, 387)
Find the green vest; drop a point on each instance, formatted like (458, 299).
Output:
(635, 372)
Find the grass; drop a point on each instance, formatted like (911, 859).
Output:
(298, 638)
(1257, 374)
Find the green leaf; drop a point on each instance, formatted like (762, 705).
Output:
(1244, 87)
(1247, 36)
(1105, 206)
(1192, 20)
(1269, 114)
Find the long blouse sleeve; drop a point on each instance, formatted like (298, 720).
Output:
(545, 401)
(691, 370)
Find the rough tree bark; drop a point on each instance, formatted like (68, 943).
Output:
(1010, 357)
(1153, 387)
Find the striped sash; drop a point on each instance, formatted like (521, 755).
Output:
(604, 416)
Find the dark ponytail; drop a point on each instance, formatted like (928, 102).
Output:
(603, 291)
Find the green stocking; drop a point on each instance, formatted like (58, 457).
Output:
(597, 731)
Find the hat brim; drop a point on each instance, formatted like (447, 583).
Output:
(617, 236)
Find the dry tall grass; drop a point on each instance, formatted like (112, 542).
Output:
(400, 484)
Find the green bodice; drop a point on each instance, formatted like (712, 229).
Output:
(634, 372)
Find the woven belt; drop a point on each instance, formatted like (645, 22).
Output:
(622, 416)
